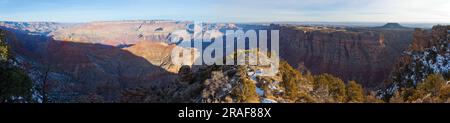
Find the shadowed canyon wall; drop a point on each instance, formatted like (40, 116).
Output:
(366, 55)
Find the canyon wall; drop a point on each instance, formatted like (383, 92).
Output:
(366, 55)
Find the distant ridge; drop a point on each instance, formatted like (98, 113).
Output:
(392, 26)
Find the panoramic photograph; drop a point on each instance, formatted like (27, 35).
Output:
(224, 51)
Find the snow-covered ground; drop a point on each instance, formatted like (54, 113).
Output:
(253, 75)
(438, 64)
(260, 91)
(266, 100)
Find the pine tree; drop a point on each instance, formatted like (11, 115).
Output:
(4, 55)
(15, 85)
(185, 74)
(246, 90)
(432, 84)
(432, 90)
(355, 92)
(445, 94)
(338, 90)
(291, 80)
(372, 98)
(396, 98)
(330, 88)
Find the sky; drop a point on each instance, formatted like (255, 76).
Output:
(420, 11)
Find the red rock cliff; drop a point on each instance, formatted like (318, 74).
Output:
(365, 55)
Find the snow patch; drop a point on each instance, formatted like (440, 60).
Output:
(259, 91)
(266, 100)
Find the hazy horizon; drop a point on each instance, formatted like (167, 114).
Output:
(248, 11)
(312, 23)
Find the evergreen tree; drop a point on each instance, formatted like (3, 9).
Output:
(355, 92)
(431, 90)
(330, 88)
(291, 80)
(246, 90)
(445, 94)
(4, 55)
(371, 98)
(396, 98)
(15, 85)
(432, 84)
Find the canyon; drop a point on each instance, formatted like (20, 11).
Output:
(82, 61)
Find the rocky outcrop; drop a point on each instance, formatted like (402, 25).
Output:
(157, 53)
(421, 40)
(361, 54)
(428, 54)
